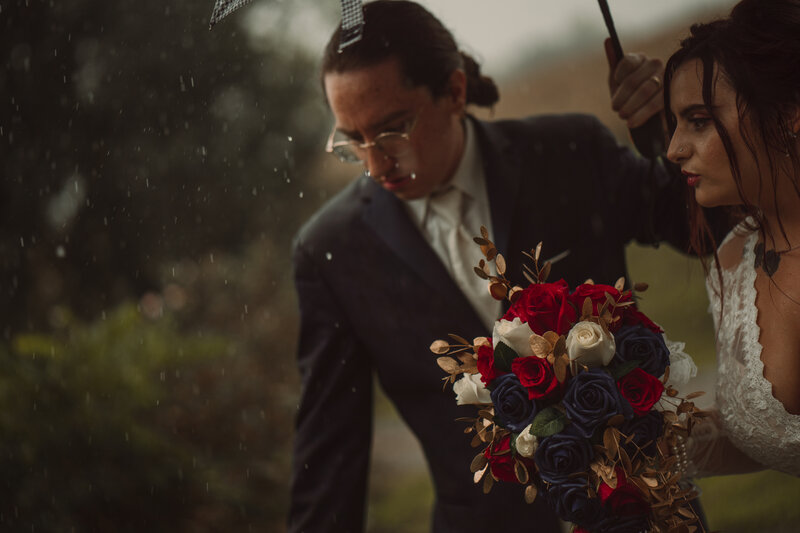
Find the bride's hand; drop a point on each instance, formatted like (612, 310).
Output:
(636, 85)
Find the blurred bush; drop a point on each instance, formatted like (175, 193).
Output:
(130, 135)
(152, 178)
(130, 424)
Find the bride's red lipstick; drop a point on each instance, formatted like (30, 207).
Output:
(691, 179)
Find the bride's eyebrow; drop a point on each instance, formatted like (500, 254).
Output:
(693, 108)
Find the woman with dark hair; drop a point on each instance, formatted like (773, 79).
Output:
(733, 100)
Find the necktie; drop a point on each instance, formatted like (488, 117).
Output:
(453, 241)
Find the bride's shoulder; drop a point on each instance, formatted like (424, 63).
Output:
(732, 249)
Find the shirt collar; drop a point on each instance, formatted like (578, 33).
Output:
(467, 177)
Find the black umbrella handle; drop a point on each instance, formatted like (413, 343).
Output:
(649, 137)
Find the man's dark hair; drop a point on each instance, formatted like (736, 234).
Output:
(426, 50)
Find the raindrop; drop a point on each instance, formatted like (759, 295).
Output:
(290, 138)
(328, 256)
(60, 252)
(301, 194)
(413, 175)
(22, 242)
(211, 257)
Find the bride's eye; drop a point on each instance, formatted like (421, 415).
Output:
(699, 123)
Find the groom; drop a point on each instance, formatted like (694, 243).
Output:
(380, 270)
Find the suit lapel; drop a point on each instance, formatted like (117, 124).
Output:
(503, 173)
(384, 214)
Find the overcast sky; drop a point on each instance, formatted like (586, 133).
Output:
(498, 30)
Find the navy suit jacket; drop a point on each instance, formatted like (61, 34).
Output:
(374, 295)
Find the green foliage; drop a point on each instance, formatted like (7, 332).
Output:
(549, 421)
(504, 355)
(84, 445)
(131, 135)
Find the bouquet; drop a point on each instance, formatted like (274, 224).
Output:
(575, 402)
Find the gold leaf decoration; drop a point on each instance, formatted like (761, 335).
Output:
(530, 493)
(448, 364)
(540, 346)
(500, 264)
(440, 347)
(498, 290)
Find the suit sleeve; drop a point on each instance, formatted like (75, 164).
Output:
(647, 198)
(333, 427)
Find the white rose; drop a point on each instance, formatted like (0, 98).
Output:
(681, 365)
(470, 390)
(588, 344)
(515, 333)
(526, 443)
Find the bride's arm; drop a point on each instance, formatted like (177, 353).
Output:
(711, 453)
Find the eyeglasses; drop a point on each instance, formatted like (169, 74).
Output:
(392, 143)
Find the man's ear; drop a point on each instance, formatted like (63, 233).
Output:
(457, 90)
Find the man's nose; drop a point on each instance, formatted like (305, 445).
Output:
(378, 163)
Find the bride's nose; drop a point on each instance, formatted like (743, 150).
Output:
(677, 150)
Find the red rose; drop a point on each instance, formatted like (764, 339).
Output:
(632, 316)
(641, 390)
(537, 375)
(625, 500)
(544, 307)
(486, 364)
(501, 460)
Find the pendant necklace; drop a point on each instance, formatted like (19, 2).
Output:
(770, 260)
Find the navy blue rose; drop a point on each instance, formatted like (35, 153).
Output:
(591, 398)
(645, 430)
(513, 409)
(639, 343)
(571, 502)
(563, 454)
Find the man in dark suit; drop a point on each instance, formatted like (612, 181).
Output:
(376, 286)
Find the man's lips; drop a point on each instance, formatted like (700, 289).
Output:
(394, 182)
(691, 179)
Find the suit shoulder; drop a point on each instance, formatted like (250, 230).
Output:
(335, 215)
(553, 124)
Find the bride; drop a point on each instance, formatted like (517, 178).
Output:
(732, 92)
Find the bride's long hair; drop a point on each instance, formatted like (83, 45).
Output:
(757, 50)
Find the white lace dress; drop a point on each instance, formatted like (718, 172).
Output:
(751, 418)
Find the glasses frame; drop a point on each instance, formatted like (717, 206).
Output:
(330, 146)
